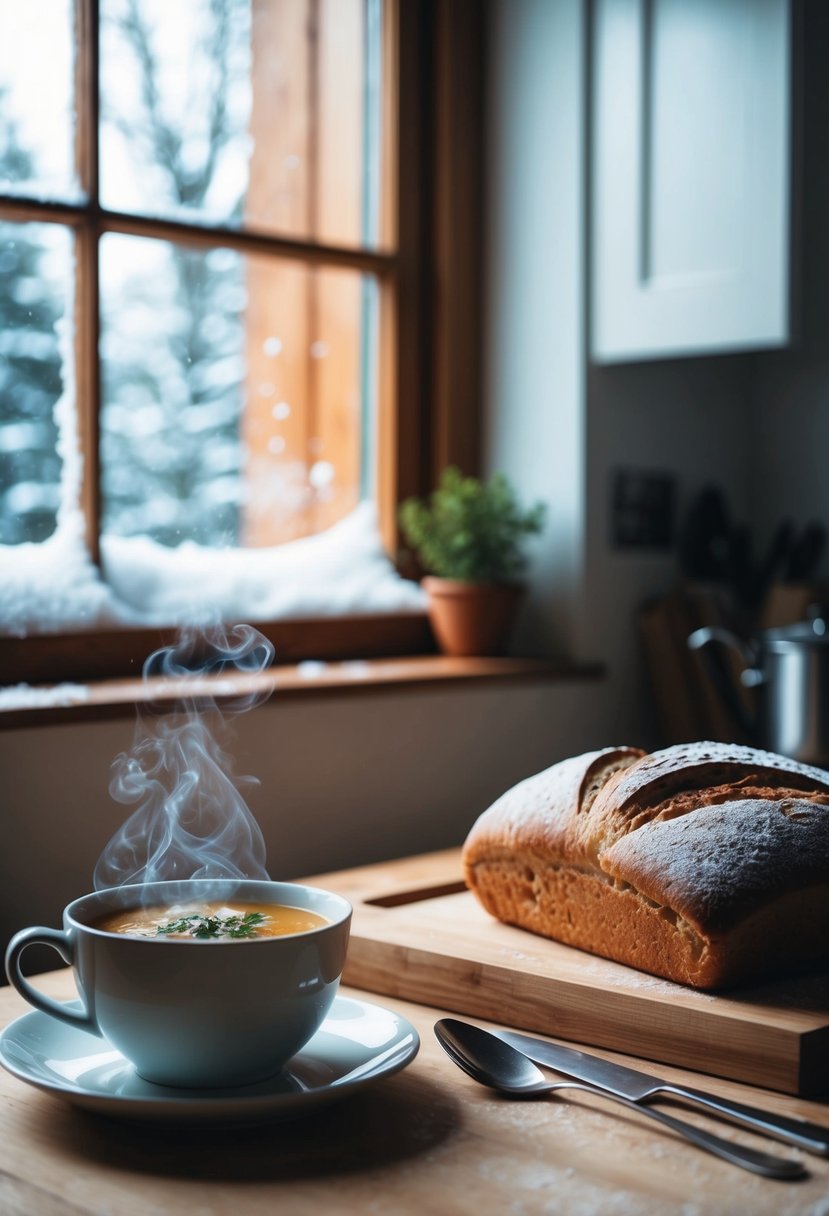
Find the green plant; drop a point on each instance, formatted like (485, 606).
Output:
(470, 530)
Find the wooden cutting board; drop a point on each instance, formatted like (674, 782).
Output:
(418, 934)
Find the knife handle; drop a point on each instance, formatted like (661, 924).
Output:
(809, 1136)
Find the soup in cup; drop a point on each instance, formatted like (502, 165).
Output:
(202, 982)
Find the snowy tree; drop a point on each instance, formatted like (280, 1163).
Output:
(30, 366)
(173, 368)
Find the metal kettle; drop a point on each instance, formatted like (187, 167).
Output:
(789, 669)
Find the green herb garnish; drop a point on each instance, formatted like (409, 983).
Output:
(203, 927)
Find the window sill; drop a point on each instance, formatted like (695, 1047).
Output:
(106, 699)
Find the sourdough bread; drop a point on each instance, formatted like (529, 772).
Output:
(705, 863)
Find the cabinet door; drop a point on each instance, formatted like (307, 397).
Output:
(690, 177)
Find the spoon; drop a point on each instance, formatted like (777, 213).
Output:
(492, 1062)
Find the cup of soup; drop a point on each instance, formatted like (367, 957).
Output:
(199, 983)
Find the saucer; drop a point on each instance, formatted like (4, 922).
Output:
(357, 1043)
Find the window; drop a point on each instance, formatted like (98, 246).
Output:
(220, 247)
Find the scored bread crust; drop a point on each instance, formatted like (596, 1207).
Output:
(703, 863)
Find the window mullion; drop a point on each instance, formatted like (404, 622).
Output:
(457, 236)
(405, 347)
(248, 240)
(87, 309)
(312, 216)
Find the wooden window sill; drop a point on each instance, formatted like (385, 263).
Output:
(95, 701)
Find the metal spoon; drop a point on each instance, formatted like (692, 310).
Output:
(492, 1062)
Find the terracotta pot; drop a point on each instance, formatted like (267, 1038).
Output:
(472, 618)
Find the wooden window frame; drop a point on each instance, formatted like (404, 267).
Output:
(431, 284)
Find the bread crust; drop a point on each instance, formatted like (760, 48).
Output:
(706, 864)
(546, 807)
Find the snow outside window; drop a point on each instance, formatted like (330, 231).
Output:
(235, 399)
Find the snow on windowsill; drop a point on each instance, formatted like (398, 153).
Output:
(23, 696)
(55, 587)
(22, 706)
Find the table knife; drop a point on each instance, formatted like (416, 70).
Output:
(641, 1087)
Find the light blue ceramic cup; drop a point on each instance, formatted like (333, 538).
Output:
(189, 1013)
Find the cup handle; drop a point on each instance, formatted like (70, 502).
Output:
(58, 940)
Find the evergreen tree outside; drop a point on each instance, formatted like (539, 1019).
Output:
(172, 346)
(31, 379)
(172, 386)
(173, 318)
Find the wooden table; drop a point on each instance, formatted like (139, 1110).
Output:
(426, 1140)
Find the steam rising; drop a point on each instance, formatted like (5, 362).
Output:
(191, 820)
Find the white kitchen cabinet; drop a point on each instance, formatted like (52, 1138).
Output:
(691, 177)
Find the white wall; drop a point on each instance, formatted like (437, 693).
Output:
(554, 425)
(535, 427)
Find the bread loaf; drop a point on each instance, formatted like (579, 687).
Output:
(705, 863)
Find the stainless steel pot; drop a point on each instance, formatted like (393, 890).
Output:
(789, 668)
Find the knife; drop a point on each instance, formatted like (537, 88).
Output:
(641, 1087)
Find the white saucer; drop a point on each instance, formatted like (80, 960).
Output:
(356, 1044)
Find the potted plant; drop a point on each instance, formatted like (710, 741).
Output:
(469, 537)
